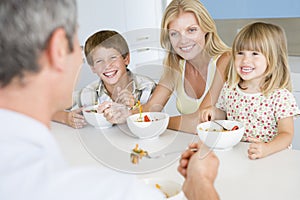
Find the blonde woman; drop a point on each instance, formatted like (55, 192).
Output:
(195, 63)
(258, 90)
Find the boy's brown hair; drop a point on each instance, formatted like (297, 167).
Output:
(106, 39)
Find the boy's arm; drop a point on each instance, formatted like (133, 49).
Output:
(72, 118)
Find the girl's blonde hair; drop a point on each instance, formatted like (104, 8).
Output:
(270, 40)
(214, 46)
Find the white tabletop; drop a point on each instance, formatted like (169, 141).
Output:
(273, 177)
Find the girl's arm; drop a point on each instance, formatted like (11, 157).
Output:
(188, 122)
(284, 138)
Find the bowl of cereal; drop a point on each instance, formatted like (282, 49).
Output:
(216, 137)
(147, 125)
(170, 189)
(95, 119)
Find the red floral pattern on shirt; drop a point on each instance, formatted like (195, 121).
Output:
(259, 113)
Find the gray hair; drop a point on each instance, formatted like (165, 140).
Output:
(26, 27)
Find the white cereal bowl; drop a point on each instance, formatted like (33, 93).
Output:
(213, 136)
(171, 189)
(95, 119)
(145, 130)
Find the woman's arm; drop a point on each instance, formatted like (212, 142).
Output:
(188, 122)
(158, 99)
(213, 93)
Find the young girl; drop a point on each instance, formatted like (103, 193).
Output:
(258, 90)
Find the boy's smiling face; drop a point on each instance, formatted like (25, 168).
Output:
(109, 65)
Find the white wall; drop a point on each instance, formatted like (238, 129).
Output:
(294, 62)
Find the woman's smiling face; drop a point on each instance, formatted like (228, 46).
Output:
(109, 65)
(186, 36)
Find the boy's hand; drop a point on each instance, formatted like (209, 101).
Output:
(75, 119)
(125, 97)
(115, 113)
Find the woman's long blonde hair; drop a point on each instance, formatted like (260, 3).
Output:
(270, 40)
(214, 46)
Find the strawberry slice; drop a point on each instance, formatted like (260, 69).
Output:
(146, 118)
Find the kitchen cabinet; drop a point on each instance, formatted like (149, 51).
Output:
(137, 20)
(121, 15)
(145, 52)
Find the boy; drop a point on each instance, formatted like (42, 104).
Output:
(108, 55)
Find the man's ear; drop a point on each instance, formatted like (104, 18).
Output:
(58, 48)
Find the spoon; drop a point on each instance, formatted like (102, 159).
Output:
(224, 128)
(147, 155)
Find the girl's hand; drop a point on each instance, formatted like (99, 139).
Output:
(257, 149)
(207, 114)
(75, 119)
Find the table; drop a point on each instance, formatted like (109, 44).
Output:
(274, 177)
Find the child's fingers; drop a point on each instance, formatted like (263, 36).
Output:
(125, 97)
(253, 140)
(206, 115)
(103, 106)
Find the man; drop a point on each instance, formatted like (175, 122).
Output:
(40, 60)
